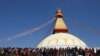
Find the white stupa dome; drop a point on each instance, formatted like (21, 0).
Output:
(62, 40)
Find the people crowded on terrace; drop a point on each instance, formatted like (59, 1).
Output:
(49, 52)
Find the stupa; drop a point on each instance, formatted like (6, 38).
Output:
(61, 38)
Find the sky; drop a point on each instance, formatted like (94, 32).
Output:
(17, 16)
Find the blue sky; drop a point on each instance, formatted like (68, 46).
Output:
(18, 16)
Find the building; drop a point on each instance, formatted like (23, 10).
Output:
(61, 37)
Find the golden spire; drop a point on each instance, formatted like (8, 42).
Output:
(60, 26)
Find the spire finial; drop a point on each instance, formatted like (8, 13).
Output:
(59, 13)
(58, 9)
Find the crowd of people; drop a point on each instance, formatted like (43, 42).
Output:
(49, 52)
